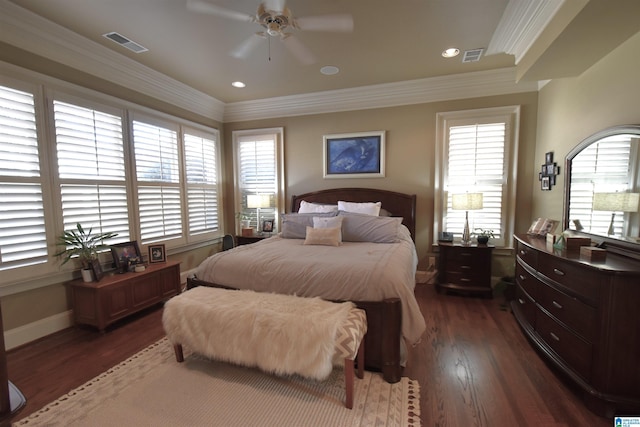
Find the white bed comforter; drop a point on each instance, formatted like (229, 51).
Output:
(353, 271)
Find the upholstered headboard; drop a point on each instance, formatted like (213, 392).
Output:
(398, 204)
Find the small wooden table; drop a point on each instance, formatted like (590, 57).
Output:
(465, 268)
(247, 240)
(119, 295)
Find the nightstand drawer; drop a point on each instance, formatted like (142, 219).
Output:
(578, 316)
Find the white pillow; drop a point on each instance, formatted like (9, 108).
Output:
(322, 236)
(306, 207)
(367, 208)
(329, 222)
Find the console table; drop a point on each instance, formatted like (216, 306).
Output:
(119, 295)
(582, 316)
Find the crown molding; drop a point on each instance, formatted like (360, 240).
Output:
(522, 23)
(433, 89)
(42, 37)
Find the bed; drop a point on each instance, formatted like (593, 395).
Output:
(377, 276)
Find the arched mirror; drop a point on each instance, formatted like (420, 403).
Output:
(602, 191)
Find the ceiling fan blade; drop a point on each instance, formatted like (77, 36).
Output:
(200, 6)
(337, 23)
(244, 49)
(274, 5)
(300, 51)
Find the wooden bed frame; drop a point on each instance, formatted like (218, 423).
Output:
(384, 318)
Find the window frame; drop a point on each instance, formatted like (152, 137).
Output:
(510, 115)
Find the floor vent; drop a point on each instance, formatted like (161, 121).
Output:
(472, 55)
(123, 41)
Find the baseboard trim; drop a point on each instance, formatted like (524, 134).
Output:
(41, 328)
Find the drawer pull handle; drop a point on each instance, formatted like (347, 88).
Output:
(557, 305)
(465, 267)
(465, 280)
(521, 301)
(522, 277)
(558, 272)
(554, 336)
(523, 252)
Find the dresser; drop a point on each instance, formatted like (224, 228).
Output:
(119, 295)
(464, 268)
(583, 317)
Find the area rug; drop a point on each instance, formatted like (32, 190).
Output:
(152, 389)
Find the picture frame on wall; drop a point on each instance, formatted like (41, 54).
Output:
(157, 253)
(545, 183)
(354, 155)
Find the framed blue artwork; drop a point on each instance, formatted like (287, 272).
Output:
(354, 155)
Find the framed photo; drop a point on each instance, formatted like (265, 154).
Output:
(354, 155)
(157, 253)
(97, 270)
(267, 226)
(125, 254)
(548, 157)
(545, 183)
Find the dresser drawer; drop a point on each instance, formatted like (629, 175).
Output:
(583, 281)
(570, 347)
(528, 255)
(578, 316)
(525, 305)
(528, 282)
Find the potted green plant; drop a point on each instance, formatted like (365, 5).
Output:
(483, 235)
(245, 220)
(83, 245)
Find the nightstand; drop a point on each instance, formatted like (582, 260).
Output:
(247, 240)
(465, 268)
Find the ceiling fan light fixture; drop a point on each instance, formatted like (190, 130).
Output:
(273, 28)
(329, 70)
(451, 52)
(238, 84)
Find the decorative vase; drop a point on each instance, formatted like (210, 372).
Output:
(483, 240)
(87, 275)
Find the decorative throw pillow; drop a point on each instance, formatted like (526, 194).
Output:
(367, 228)
(294, 225)
(306, 207)
(329, 222)
(322, 236)
(367, 208)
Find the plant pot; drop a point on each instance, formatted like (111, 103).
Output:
(87, 275)
(245, 223)
(483, 240)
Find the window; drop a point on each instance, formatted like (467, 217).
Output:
(476, 154)
(23, 240)
(258, 172)
(91, 171)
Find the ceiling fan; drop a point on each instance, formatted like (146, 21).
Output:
(277, 20)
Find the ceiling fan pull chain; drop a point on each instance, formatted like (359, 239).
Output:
(269, 47)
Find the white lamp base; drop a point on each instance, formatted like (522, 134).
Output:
(466, 235)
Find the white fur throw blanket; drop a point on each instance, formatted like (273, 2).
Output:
(280, 334)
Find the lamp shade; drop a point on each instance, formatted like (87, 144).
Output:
(466, 201)
(616, 202)
(258, 201)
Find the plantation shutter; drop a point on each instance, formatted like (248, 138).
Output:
(603, 167)
(158, 176)
(256, 172)
(22, 225)
(202, 183)
(476, 164)
(90, 156)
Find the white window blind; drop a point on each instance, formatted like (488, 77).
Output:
(22, 222)
(202, 183)
(477, 151)
(256, 173)
(90, 153)
(603, 167)
(158, 178)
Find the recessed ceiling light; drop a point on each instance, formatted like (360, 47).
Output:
(451, 52)
(238, 84)
(329, 70)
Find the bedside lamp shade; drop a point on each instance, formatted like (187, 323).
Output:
(615, 202)
(257, 201)
(466, 202)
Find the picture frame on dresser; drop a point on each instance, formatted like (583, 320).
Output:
(125, 254)
(97, 270)
(157, 253)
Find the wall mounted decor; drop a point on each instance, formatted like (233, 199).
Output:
(354, 155)
(550, 169)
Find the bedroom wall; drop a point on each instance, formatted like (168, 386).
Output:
(410, 149)
(571, 109)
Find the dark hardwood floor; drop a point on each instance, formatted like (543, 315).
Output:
(474, 366)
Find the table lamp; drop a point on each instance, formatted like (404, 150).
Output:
(258, 201)
(615, 202)
(466, 202)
